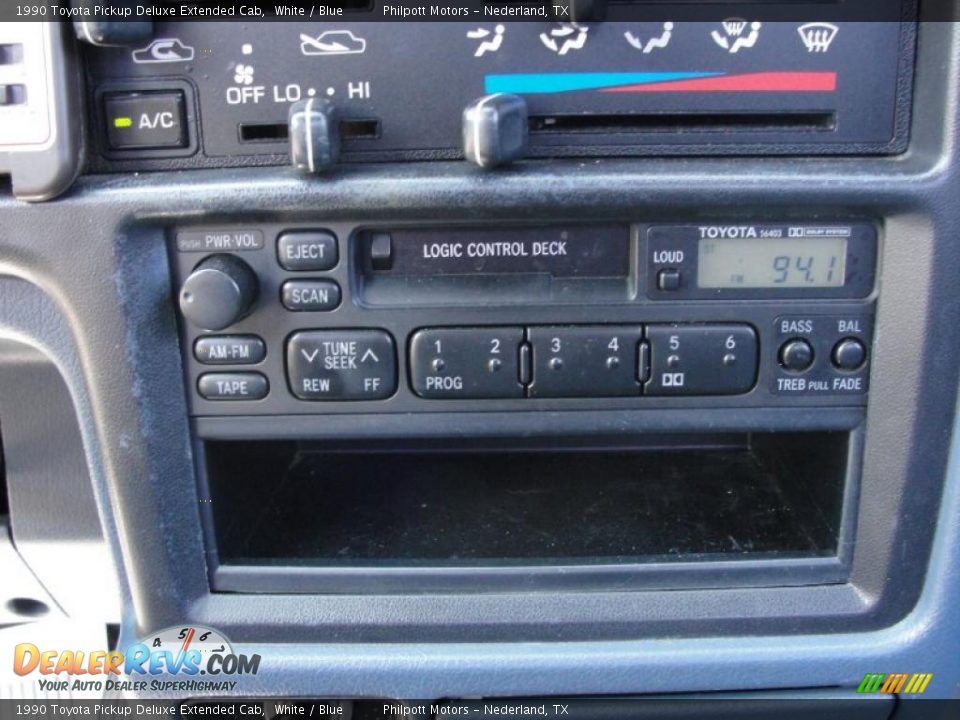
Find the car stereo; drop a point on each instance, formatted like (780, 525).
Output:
(339, 318)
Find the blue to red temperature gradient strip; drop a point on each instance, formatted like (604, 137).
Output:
(540, 83)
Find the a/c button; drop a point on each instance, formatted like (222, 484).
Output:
(142, 120)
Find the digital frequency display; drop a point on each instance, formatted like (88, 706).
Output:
(772, 262)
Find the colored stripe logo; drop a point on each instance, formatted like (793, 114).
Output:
(546, 83)
(895, 683)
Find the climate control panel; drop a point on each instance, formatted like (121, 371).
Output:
(672, 78)
(353, 318)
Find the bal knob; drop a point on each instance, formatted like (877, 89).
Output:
(220, 291)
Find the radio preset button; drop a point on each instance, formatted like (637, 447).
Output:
(342, 365)
(701, 359)
(849, 354)
(313, 250)
(310, 295)
(229, 350)
(796, 355)
(467, 362)
(587, 361)
(233, 386)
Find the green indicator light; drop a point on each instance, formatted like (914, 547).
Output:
(123, 122)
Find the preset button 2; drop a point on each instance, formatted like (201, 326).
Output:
(466, 362)
(342, 365)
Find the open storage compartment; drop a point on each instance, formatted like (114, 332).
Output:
(298, 516)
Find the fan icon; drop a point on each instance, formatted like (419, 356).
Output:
(243, 74)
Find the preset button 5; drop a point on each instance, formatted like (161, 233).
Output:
(701, 359)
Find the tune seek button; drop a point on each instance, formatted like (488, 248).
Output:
(341, 365)
(233, 386)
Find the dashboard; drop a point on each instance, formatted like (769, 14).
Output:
(483, 359)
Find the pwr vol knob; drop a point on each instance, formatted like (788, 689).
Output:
(220, 291)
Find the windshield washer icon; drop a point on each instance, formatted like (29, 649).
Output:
(332, 42)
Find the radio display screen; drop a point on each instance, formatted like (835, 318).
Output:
(759, 262)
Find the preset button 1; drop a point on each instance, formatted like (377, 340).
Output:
(473, 362)
(341, 365)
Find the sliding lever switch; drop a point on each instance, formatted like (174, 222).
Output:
(495, 130)
(314, 135)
